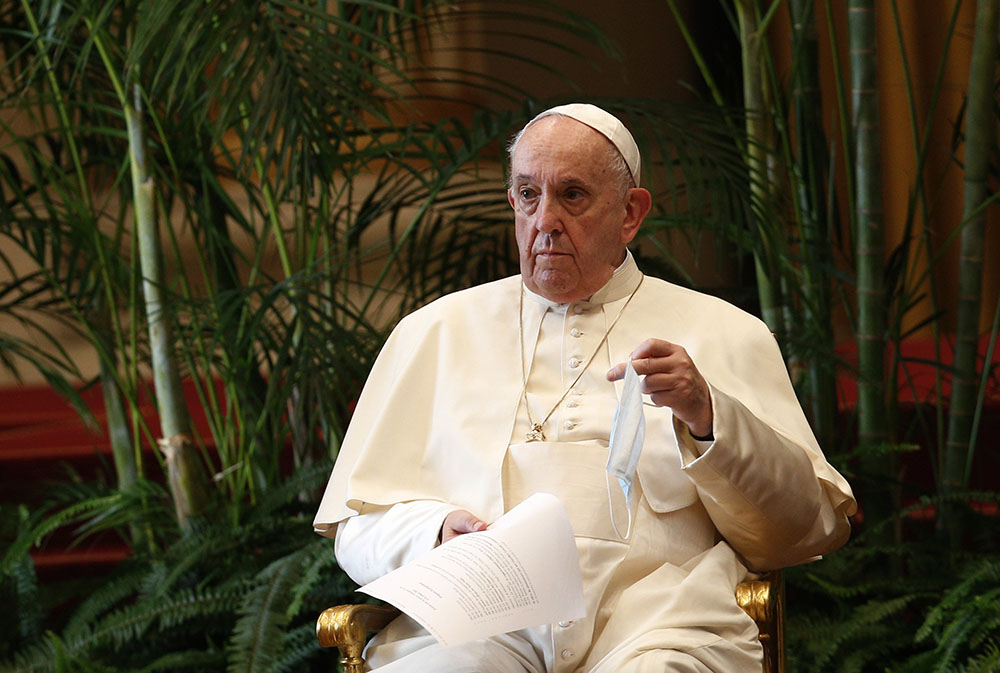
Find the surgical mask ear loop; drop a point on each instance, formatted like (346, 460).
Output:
(628, 430)
(611, 510)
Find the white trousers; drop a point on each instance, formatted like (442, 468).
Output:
(663, 600)
(652, 631)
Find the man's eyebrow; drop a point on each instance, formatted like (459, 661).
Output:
(525, 177)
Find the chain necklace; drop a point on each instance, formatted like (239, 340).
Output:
(535, 433)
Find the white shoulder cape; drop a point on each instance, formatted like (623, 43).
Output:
(436, 414)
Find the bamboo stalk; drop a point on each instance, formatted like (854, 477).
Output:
(759, 139)
(873, 432)
(980, 136)
(812, 161)
(186, 478)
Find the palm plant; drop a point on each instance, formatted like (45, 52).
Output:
(294, 141)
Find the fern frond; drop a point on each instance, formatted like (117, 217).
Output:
(300, 646)
(55, 655)
(304, 479)
(987, 661)
(957, 598)
(861, 635)
(318, 560)
(24, 584)
(191, 660)
(128, 624)
(961, 625)
(196, 549)
(259, 637)
(117, 589)
(36, 658)
(35, 535)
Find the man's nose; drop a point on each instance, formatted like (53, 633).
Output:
(549, 216)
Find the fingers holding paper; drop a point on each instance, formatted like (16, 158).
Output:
(671, 379)
(460, 522)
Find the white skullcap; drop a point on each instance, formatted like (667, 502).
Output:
(604, 123)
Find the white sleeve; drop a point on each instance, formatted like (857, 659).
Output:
(762, 491)
(380, 539)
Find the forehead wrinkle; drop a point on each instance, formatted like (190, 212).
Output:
(570, 181)
(562, 151)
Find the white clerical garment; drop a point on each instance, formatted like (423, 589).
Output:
(441, 425)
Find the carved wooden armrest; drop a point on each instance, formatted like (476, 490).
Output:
(346, 627)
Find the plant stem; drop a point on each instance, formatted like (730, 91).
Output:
(758, 144)
(872, 427)
(187, 480)
(980, 136)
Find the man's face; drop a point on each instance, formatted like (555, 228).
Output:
(571, 219)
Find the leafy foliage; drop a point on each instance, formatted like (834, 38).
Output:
(903, 607)
(238, 594)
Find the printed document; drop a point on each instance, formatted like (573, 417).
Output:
(522, 571)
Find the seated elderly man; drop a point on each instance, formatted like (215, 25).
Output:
(491, 394)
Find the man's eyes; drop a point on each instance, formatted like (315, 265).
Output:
(571, 194)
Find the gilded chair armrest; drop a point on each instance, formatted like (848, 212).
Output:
(346, 627)
(763, 600)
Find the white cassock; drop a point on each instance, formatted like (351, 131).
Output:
(441, 425)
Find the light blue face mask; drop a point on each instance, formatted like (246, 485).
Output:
(627, 434)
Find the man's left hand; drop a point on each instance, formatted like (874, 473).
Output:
(671, 380)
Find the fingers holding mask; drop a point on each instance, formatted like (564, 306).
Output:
(671, 379)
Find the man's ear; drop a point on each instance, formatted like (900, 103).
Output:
(638, 201)
(510, 197)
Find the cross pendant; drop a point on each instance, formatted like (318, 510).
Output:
(535, 434)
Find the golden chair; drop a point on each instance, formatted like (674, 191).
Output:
(346, 627)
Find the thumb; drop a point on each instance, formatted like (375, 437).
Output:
(617, 372)
(469, 523)
(460, 522)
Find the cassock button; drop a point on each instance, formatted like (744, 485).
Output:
(575, 333)
(566, 625)
(574, 362)
(567, 654)
(569, 425)
(572, 404)
(578, 309)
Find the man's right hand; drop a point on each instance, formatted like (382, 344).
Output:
(460, 522)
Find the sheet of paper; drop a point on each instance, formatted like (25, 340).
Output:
(522, 571)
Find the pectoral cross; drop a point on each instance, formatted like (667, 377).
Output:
(535, 434)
